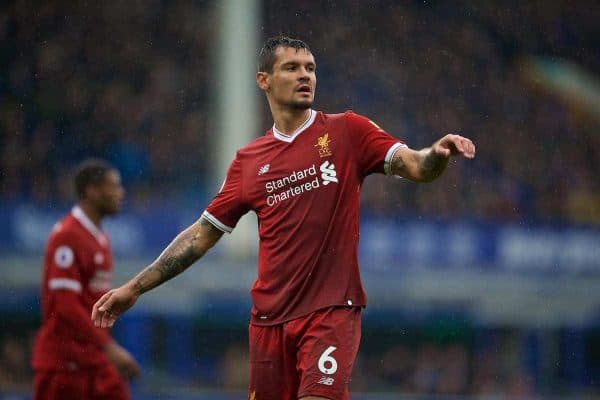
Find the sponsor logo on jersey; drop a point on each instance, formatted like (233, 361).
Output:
(323, 145)
(299, 182)
(63, 257)
(264, 169)
(328, 173)
(326, 381)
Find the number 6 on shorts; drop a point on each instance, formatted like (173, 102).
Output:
(326, 358)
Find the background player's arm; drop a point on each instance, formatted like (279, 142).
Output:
(184, 250)
(122, 360)
(427, 164)
(72, 313)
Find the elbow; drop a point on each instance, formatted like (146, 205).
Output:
(207, 245)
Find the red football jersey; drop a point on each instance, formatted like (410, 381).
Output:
(305, 190)
(77, 272)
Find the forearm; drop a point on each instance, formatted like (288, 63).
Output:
(418, 165)
(183, 251)
(431, 165)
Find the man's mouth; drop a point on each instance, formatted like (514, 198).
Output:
(304, 89)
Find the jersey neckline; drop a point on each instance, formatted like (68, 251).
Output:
(290, 138)
(87, 223)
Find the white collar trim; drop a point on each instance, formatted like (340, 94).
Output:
(87, 223)
(305, 125)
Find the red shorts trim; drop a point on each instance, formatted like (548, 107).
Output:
(103, 382)
(308, 356)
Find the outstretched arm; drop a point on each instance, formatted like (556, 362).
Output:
(184, 250)
(427, 164)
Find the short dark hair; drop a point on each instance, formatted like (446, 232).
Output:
(90, 172)
(266, 57)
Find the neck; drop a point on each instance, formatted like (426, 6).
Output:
(92, 212)
(287, 120)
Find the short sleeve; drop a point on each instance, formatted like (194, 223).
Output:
(228, 206)
(373, 146)
(62, 264)
(65, 280)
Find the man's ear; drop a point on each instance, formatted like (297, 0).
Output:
(262, 81)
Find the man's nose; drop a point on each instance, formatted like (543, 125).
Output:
(304, 73)
(304, 76)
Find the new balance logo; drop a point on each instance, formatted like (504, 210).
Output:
(264, 169)
(326, 381)
(328, 173)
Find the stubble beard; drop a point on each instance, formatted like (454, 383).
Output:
(111, 208)
(301, 105)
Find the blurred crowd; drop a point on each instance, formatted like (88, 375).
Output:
(15, 371)
(127, 81)
(437, 369)
(423, 368)
(416, 361)
(131, 82)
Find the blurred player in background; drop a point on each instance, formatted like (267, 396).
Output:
(72, 358)
(302, 179)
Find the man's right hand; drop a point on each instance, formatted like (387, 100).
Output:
(110, 306)
(122, 360)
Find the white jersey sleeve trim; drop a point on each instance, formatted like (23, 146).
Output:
(64, 283)
(387, 166)
(218, 224)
